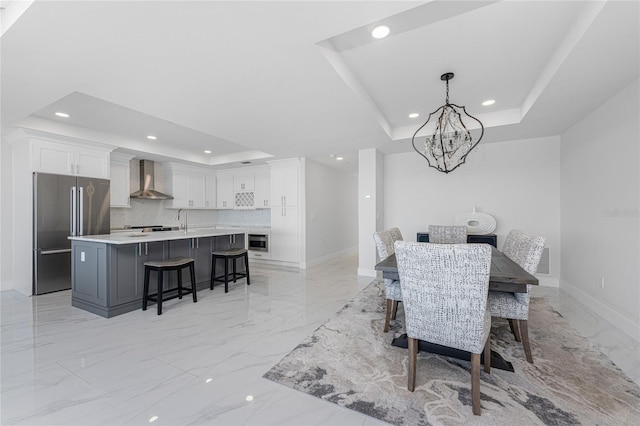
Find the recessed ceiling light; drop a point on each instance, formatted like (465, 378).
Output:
(414, 115)
(153, 138)
(153, 419)
(62, 114)
(207, 151)
(339, 158)
(381, 31)
(249, 398)
(488, 102)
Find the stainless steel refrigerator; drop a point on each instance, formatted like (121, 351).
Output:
(64, 206)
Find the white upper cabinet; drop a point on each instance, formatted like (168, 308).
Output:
(243, 189)
(284, 185)
(263, 188)
(187, 185)
(120, 179)
(210, 190)
(70, 159)
(224, 187)
(243, 181)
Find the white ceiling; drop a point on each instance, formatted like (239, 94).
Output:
(250, 80)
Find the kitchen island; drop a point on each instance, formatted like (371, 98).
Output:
(107, 271)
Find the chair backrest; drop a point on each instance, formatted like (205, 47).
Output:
(384, 241)
(444, 292)
(447, 234)
(524, 249)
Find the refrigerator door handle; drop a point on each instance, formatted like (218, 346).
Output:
(73, 211)
(81, 211)
(45, 252)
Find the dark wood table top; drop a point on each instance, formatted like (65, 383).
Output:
(505, 275)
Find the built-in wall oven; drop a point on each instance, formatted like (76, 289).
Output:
(258, 242)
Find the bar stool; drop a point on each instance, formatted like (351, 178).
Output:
(229, 255)
(160, 266)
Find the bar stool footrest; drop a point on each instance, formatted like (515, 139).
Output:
(169, 294)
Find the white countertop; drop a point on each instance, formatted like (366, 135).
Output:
(145, 237)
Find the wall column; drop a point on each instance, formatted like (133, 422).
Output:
(370, 207)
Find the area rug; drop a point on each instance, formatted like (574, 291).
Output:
(350, 361)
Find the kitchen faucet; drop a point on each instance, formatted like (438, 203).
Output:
(186, 219)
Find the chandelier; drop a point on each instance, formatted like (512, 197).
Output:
(448, 144)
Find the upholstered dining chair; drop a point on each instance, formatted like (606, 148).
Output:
(526, 251)
(384, 245)
(447, 234)
(444, 291)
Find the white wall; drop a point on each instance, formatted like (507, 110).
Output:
(6, 194)
(21, 208)
(600, 202)
(370, 207)
(516, 182)
(331, 212)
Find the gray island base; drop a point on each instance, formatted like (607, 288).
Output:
(107, 276)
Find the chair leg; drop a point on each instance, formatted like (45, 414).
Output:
(160, 284)
(145, 292)
(246, 267)
(226, 275)
(235, 274)
(487, 356)
(193, 282)
(515, 329)
(475, 383)
(524, 331)
(213, 271)
(413, 356)
(179, 271)
(394, 310)
(387, 319)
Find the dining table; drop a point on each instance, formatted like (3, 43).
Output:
(505, 275)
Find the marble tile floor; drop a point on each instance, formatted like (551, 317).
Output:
(197, 363)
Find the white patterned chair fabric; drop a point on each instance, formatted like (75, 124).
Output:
(525, 250)
(444, 289)
(447, 234)
(384, 245)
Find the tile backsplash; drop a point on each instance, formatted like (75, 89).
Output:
(259, 217)
(154, 212)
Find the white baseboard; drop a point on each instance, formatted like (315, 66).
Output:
(367, 272)
(548, 281)
(6, 286)
(331, 256)
(621, 322)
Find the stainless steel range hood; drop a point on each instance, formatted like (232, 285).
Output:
(147, 191)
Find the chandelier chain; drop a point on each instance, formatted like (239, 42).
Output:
(447, 98)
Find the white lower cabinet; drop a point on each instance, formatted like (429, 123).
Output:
(284, 243)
